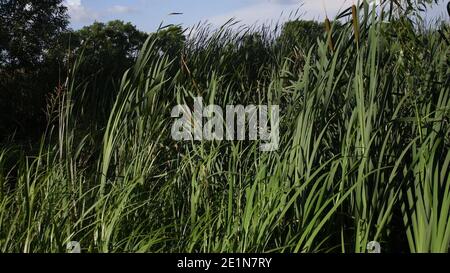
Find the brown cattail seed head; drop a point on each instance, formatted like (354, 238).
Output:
(328, 29)
(355, 23)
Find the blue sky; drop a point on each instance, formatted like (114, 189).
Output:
(147, 15)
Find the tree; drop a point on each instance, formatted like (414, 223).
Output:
(301, 33)
(111, 47)
(170, 40)
(28, 29)
(108, 49)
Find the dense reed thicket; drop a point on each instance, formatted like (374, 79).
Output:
(364, 149)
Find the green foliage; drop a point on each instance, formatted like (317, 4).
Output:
(170, 41)
(109, 49)
(303, 34)
(112, 46)
(28, 28)
(28, 31)
(364, 152)
(406, 7)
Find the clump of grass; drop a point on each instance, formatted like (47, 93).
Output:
(364, 153)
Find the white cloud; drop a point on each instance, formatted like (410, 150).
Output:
(121, 9)
(285, 2)
(258, 13)
(280, 10)
(78, 12)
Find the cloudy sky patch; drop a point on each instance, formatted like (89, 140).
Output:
(147, 15)
(79, 13)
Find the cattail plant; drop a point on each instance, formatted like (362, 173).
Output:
(355, 21)
(328, 29)
(329, 34)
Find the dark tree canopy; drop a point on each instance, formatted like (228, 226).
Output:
(28, 29)
(111, 46)
(170, 40)
(303, 33)
(107, 50)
